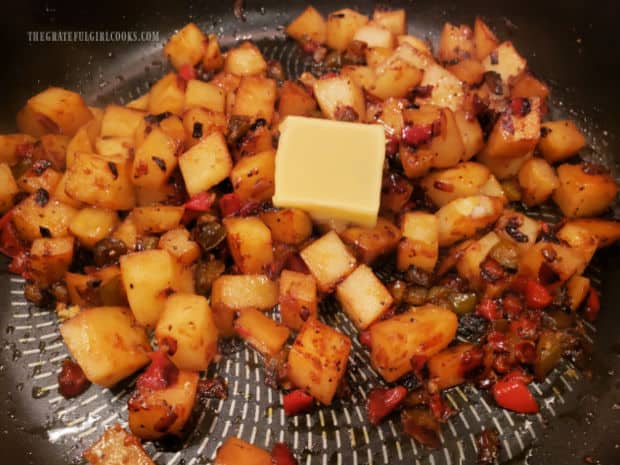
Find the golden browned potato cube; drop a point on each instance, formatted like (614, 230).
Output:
(213, 58)
(127, 232)
(54, 149)
(318, 359)
(186, 331)
(140, 103)
(528, 86)
(455, 43)
(12, 144)
(120, 121)
(147, 291)
(472, 256)
(468, 70)
(342, 26)
(363, 297)
(420, 45)
(33, 180)
(115, 447)
(583, 192)
(577, 288)
(580, 239)
(462, 180)
(340, 98)
(394, 21)
(504, 168)
(149, 196)
(253, 176)
(493, 188)
(245, 60)
(80, 142)
(517, 228)
(394, 78)
(370, 243)
(329, 261)
(56, 111)
(505, 61)
(255, 98)
(294, 100)
(363, 76)
(200, 123)
(484, 39)
(448, 367)
(8, 187)
(389, 113)
(205, 164)
(514, 136)
(155, 160)
(560, 140)
(50, 259)
(260, 331)
(154, 413)
(37, 214)
(110, 146)
(60, 195)
(289, 225)
(463, 217)
(107, 343)
(298, 299)
(377, 55)
(471, 134)
(90, 225)
(167, 94)
(236, 451)
(178, 243)
(538, 180)
(101, 181)
(205, 95)
(171, 125)
(419, 244)
(606, 231)
(309, 25)
(186, 46)
(249, 241)
(422, 332)
(447, 88)
(157, 219)
(566, 261)
(101, 287)
(255, 141)
(375, 36)
(231, 293)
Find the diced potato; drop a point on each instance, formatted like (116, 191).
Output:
(205, 95)
(33, 180)
(583, 194)
(147, 291)
(107, 343)
(518, 229)
(120, 121)
(463, 180)
(102, 182)
(127, 232)
(504, 168)
(389, 113)
(111, 146)
(537, 180)
(468, 264)
(577, 288)
(419, 244)
(235, 451)
(394, 21)
(377, 55)
(153, 413)
(396, 191)
(253, 177)
(167, 94)
(309, 25)
(328, 260)
(231, 293)
(186, 330)
(363, 297)
(178, 244)
(80, 142)
(449, 367)
(260, 331)
(467, 70)
(50, 259)
(463, 217)
(56, 111)
(157, 219)
(35, 214)
(528, 86)
(505, 61)
(606, 231)
(484, 39)
(255, 98)
(155, 160)
(200, 123)
(8, 187)
(117, 446)
(90, 225)
(342, 26)
(12, 144)
(140, 103)
(60, 194)
(514, 136)
(560, 140)
(561, 262)
(101, 287)
(186, 46)
(493, 188)
(298, 299)
(245, 60)
(289, 225)
(213, 58)
(249, 241)
(317, 360)
(455, 43)
(255, 141)
(337, 96)
(205, 164)
(363, 76)
(581, 240)
(447, 88)
(149, 196)
(471, 134)
(418, 44)
(54, 148)
(294, 100)
(171, 125)
(375, 36)
(395, 78)
(370, 243)
(422, 332)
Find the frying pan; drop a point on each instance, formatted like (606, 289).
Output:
(570, 45)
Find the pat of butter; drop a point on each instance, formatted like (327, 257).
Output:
(330, 169)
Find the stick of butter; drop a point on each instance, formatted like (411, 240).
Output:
(330, 169)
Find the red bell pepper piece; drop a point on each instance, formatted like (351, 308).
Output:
(511, 393)
(536, 295)
(512, 305)
(365, 338)
(417, 135)
(20, 264)
(160, 374)
(488, 309)
(593, 305)
(187, 72)
(297, 401)
(382, 401)
(230, 204)
(440, 408)
(282, 455)
(200, 202)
